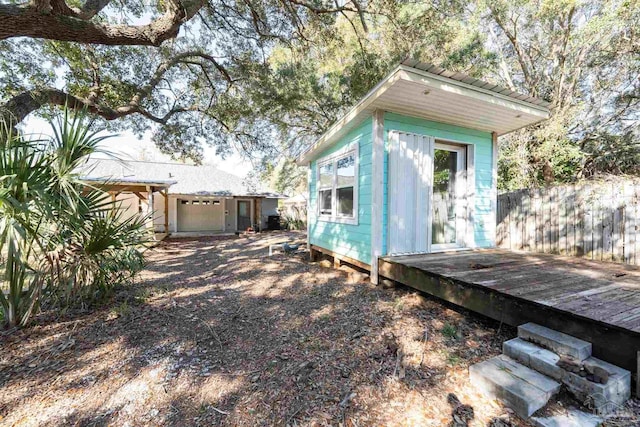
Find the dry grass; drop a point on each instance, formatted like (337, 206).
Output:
(217, 333)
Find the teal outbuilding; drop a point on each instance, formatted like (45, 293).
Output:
(412, 168)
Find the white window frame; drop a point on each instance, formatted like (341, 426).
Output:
(464, 226)
(461, 195)
(333, 159)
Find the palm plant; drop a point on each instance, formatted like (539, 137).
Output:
(23, 179)
(59, 239)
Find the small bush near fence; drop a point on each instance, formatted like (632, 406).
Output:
(294, 216)
(596, 220)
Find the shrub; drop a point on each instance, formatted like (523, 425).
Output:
(59, 240)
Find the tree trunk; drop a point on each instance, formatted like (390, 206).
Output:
(547, 173)
(20, 106)
(54, 22)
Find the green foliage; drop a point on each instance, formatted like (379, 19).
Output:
(583, 58)
(449, 331)
(292, 222)
(275, 76)
(59, 242)
(453, 359)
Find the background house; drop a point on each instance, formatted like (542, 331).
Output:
(412, 168)
(185, 198)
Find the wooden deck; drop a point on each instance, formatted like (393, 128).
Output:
(596, 301)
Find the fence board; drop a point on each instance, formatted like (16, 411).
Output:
(531, 222)
(596, 221)
(635, 257)
(546, 206)
(588, 224)
(579, 209)
(553, 212)
(571, 201)
(562, 220)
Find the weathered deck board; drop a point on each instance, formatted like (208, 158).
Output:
(594, 300)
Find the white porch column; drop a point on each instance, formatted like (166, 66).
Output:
(150, 207)
(377, 192)
(494, 187)
(309, 207)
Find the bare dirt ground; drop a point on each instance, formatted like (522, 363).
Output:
(215, 332)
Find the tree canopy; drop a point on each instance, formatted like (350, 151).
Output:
(268, 77)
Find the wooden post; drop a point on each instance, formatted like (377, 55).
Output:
(258, 213)
(336, 262)
(150, 207)
(311, 252)
(166, 210)
(377, 192)
(494, 184)
(638, 377)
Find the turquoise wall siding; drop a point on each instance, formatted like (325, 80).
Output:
(353, 241)
(484, 231)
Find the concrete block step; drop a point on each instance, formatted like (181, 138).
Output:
(519, 387)
(557, 342)
(601, 397)
(534, 357)
(573, 418)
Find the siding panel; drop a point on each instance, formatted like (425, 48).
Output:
(484, 230)
(353, 241)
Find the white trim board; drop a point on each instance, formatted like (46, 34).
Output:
(377, 191)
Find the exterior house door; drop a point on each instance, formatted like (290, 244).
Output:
(426, 194)
(449, 202)
(244, 214)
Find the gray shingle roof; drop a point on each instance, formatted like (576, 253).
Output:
(189, 179)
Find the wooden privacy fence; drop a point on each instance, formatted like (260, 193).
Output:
(598, 221)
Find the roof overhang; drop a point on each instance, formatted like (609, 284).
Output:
(123, 184)
(457, 100)
(229, 195)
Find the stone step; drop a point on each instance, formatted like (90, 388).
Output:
(557, 342)
(572, 418)
(603, 398)
(519, 387)
(534, 357)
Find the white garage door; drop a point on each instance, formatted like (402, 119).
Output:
(200, 215)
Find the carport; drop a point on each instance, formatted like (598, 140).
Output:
(136, 197)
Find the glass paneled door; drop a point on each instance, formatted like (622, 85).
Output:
(244, 215)
(449, 201)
